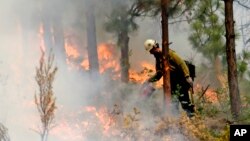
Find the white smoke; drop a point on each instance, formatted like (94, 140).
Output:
(19, 56)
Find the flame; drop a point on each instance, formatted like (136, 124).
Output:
(104, 118)
(85, 64)
(147, 65)
(107, 56)
(145, 74)
(211, 95)
(108, 60)
(71, 51)
(68, 130)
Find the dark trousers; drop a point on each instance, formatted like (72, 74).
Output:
(179, 91)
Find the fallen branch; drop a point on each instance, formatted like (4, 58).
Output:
(203, 93)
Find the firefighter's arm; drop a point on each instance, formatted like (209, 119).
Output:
(180, 62)
(156, 77)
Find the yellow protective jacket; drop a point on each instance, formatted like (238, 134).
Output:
(177, 65)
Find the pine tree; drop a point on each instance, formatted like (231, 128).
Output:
(207, 36)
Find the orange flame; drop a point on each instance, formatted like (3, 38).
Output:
(209, 95)
(109, 62)
(103, 116)
(70, 132)
(108, 59)
(107, 56)
(145, 74)
(71, 51)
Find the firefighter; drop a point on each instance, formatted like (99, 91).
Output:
(180, 78)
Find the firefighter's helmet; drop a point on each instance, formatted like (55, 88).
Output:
(149, 44)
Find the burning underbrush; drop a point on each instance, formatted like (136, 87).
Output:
(99, 110)
(114, 112)
(102, 124)
(147, 71)
(117, 113)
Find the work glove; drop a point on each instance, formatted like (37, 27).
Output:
(189, 81)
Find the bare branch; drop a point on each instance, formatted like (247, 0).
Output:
(203, 93)
(241, 4)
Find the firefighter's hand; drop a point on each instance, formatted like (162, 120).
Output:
(189, 80)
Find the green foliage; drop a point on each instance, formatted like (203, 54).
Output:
(219, 105)
(119, 21)
(149, 8)
(123, 15)
(223, 99)
(242, 67)
(208, 29)
(206, 108)
(176, 9)
(245, 110)
(243, 60)
(180, 8)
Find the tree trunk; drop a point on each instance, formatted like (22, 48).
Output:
(231, 59)
(44, 134)
(123, 41)
(165, 49)
(91, 40)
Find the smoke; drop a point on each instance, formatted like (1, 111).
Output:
(20, 43)
(19, 56)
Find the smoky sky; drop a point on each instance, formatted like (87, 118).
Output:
(20, 43)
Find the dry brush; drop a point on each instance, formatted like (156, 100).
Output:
(45, 99)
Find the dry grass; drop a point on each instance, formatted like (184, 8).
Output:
(131, 125)
(191, 129)
(211, 124)
(45, 100)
